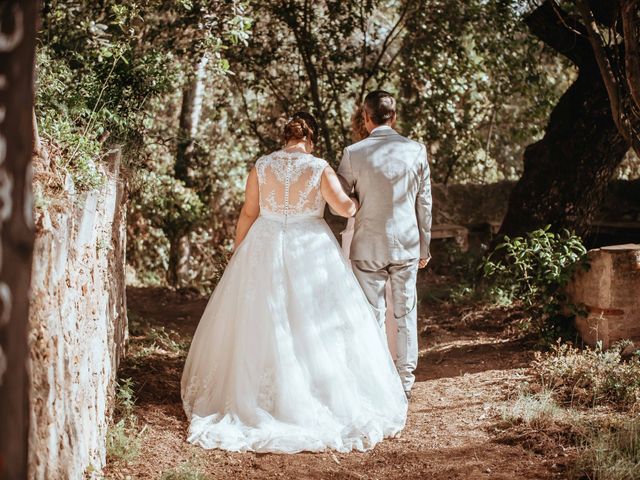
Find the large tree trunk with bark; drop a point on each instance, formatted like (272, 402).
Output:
(179, 253)
(190, 114)
(17, 46)
(567, 172)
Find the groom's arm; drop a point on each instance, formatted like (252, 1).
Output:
(423, 207)
(345, 172)
(345, 175)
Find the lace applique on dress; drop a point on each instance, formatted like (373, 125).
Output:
(290, 183)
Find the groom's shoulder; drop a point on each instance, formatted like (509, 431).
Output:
(411, 142)
(369, 144)
(414, 146)
(357, 145)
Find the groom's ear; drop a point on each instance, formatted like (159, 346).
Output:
(368, 121)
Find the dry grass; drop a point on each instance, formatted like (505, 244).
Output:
(582, 401)
(610, 454)
(590, 377)
(190, 470)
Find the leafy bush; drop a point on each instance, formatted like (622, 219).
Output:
(125, 399)
(166, 202)
(534, 270)
(534, 267)
(59, 106)
(123, 438)
(590, 377)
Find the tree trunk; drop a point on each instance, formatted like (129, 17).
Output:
(17, 46)
(179, 252)
(190, 113)
(567, 172)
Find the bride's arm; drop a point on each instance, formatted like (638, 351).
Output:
(335, 196)
(250, 209)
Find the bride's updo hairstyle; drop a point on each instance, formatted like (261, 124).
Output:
(302, 126)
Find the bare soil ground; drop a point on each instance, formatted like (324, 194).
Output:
(471, 362)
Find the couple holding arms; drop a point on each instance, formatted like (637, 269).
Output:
(290, 354)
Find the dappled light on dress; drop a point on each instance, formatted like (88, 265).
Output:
(288, 355)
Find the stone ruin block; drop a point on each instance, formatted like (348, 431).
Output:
(78, 328)
(610, 292)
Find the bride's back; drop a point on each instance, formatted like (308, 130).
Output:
(289, 183)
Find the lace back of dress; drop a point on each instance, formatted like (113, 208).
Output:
(290, 183)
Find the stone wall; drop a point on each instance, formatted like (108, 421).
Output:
(467, 204)
(78, 327)
(610, 292)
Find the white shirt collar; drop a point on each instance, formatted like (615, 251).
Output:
(381, 128)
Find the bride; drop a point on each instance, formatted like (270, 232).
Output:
(288, 355)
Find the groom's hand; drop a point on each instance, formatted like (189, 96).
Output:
(423, 262)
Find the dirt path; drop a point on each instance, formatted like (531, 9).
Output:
(469, 363)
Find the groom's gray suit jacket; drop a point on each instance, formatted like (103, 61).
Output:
(390, 177)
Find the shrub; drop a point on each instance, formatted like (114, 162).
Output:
(533, 267)
(590, 377)
(534, 270)
(59, 105)
(123, 438)
(534, 409)
(122, 444)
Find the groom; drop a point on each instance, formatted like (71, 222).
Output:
(389, 175)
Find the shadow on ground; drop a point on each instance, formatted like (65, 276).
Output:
(470, 361)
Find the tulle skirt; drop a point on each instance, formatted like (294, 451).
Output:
(288, 356)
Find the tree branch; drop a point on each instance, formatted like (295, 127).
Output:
(631, 47)
(391, 37)
(302, 44)
(335, 93)
(284, 101)
(558, 30)
(608, 75)
(363, 28)
(252, 123)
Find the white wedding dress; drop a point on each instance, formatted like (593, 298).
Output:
(288, 356)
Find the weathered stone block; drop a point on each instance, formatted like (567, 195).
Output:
(78, 328)
(610, 291)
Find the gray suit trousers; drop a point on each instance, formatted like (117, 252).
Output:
(372, 276)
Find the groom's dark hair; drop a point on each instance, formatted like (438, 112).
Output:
(380, 106)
